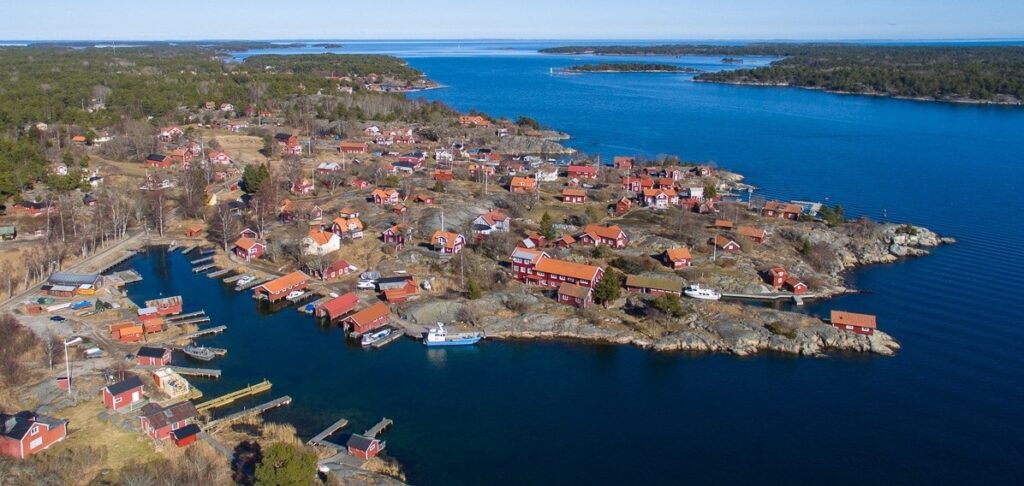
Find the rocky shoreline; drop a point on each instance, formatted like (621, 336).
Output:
(966, 101)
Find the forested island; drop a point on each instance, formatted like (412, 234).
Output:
(978, 74)
(630, 68)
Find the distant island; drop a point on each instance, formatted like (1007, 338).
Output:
(967, 74)
(731, 60)
(630, 68)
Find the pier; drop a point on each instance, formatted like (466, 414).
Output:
(202, 332)
(202, 260)
(318, 439)
(218, 273)
(187, 250)
(277, 402)
(194, 320)
(200, 372)
(234, 278)
(394, 336)
(203, 268)
(259, 281)
(228, 399)
(381, 426)
(125, 257)
(182, 317)
(798, 299)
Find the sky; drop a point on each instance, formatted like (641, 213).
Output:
(513, 19)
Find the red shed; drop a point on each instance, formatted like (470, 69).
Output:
(338, 306)
(776, 276)
(25, 433)
(185, 435)
(368, 319)
(158, 422)
(364, 447)
(167, 306)
(123, 394)
(794, 285)
(279, 288)
(153, 356)
(858, 323)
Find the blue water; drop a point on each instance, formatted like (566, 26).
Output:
(947, 408)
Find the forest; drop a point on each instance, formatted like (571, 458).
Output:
(633, 67)
(939, 72)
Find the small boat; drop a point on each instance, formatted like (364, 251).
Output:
(199, 352)
(375, 337)
(439, 336)
(702, 293)
(245, 280)
(295, 295)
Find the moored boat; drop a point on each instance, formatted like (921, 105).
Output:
(199, 352)
(439, 336)
(295, 295)
(697, 292)
(372, 338)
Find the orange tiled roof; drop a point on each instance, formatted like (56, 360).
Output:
(283, 283)
(370, 314)
(676, 254)
(608, 232)
(578, 271)
(853, 319)
(247, 243)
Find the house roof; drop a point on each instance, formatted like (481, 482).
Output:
(567, 239)
(247, 243)
(349, 224)
(360, 442)
(150, 352)
(578, 271)
(533, 256)
(573, 290)
(668, 192)
(793, 281)
(449, 238)
(321, 237)
(283, 283)
(574, 192)
(608, 232)
(384, 193)
(676, 254)
(339, 265)
(494, 217)
(582, 169)
(522, 182)
(666, 284)
(17, 425)
(130, 383)
(156, 157)
(751, 232)
(186, 431)
(397, 229)
(722, 241)
(341, 305)
(854, 319)
(723, 223)
(159, 417)
(370, 314)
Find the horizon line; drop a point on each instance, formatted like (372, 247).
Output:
(527, 39)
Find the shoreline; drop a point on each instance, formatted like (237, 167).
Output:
(858, 93)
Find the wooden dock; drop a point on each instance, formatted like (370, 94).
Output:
(200, 372)
(207, 250)
(798, 299)
(219, 273)
(259, 281)
(125, 257)
(228, 399)
(182, 317)
(204, 259)
(194, 320)
(394, 336)
(202, 332)
(187, 250)
(277, 402)
(203, 268)
(376, 430)
(318, 439)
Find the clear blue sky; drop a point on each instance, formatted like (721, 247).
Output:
(516, 19)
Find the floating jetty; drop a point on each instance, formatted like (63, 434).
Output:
(181, 317)
(798, 299)
(128, 276)
(259, 281)
(218, 273)
(234, 278)
(187, 250)
(203, 268)
(202, 332)
(394, 336)
(200, 372)
(277, 402)
(207, 250)
(319, 439)
(228, 399)
(381, 426)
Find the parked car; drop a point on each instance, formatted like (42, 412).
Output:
(58, 319)
(366, 285)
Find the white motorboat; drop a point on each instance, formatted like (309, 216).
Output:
(697, 292)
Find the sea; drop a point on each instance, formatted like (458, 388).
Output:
(947, 408)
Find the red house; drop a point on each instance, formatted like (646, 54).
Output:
(596, 235)
(364, 447)
(395, 235)
(123, 394)
(186, 435)
(725, 244)
(338, 306)
(25, 433)
(350, 147)
(153, 356)
(167, 306)
(759, 235)
(574, 196)
(157, 161)
(575, 295)
(447, 243)
(776, 277)
(249, 249)
(582, 172)
(775, 209)
(382, 197)
(335, 270)
(794, 285)
(537, 267)
(859, 323)
(623, 163)
(678, 258)
(623, 206)
(279, 288)
(159, 422)
(368, 319)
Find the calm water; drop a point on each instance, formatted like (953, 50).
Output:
(947, 408)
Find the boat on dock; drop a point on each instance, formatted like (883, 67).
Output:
(295, 295)
(438, 336)
(702, 293)
(380, 338)
(201, 353)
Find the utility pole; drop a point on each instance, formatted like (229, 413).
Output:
(67, 362)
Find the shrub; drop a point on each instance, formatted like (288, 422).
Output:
(286, 465)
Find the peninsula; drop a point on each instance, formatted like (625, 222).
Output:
(967, 74)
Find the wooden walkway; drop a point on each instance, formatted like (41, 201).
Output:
(228, 399)
(202, 332)
(376, 430)
(318, 439)
(234, 278)
(201, 372)
(798, 299)
(194, 320)
(202, 260)
(218, 273)
(277, 402)
(187, 250)
(259, 281)
(181, 317)
(394, 336)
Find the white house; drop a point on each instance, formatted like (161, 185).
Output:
(320, 242)
(491, 222)
(547, 173)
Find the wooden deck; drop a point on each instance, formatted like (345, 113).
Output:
(259, 281)
(202, 332)
(203, 268)
(204, 259)
(228, 399)
(234, 278)
(201, 372)
(318, 439)
(218, 273)
(277, 402)
(381, 426)
(798, 299)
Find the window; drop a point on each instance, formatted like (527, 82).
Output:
(34, 430)
(117, 399)
(35, 443)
